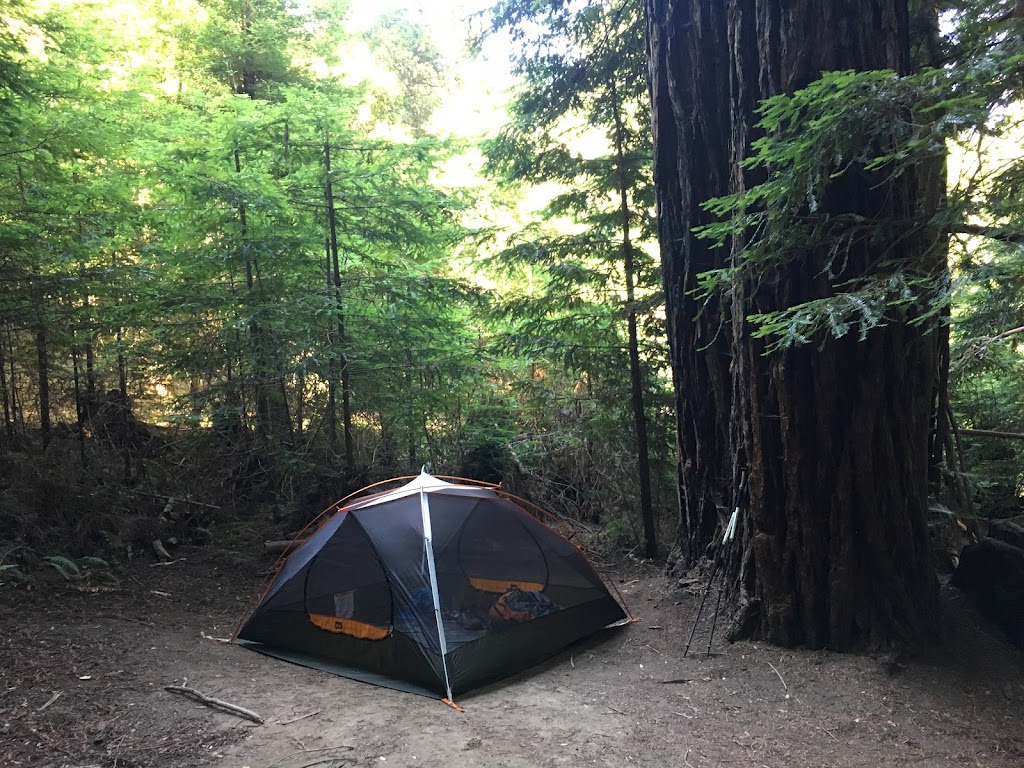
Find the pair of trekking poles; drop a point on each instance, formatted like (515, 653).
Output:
(727, 537)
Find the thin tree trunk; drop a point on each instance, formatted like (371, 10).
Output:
(90, 361)
(17, 412)
(346, 383)
(300, 402)
(332, 403)
(410, 413)
(4, 394)
(635, 371)
(248, 83)
(272, 413)
(79, 410)
(43, 371)
(122, 365)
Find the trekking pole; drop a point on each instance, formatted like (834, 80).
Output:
(730, 534)
(703, 599)
(714, 618)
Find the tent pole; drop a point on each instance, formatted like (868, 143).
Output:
(428, 547)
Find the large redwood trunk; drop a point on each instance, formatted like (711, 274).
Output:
(688, 52)
(833, 548)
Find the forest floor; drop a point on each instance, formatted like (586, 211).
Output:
(625, 697)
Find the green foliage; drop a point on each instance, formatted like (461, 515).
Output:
(11, 573)
(404, 48)
(65, 566)
(88, 571)
(585, 285)
(961, 106)
(884, 127)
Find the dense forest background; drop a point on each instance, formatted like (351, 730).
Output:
(248, 265)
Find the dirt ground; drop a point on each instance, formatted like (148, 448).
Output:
(626, 697)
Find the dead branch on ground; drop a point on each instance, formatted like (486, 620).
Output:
(209, 701)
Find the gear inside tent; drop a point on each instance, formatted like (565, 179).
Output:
(433, 588)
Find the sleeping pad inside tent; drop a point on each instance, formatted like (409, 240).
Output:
(433, 588)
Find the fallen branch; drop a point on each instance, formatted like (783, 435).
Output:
(53, 698)
(992, 433)
(282, 547)
(300, 717)
(334, 761)
(309, 751)
(209, 701)
(160, 550)
(823, 730)
(175, 499)
(784, 686)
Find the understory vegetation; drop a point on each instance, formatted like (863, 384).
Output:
(243, 274)
(249, 264)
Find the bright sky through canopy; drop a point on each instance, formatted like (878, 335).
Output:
(475, 106)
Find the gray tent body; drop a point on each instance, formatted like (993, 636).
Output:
(434, 588)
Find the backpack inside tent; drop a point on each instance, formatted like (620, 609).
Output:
(433, 588)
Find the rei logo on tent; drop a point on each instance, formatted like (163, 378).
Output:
(433, 588)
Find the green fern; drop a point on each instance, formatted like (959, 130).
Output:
(12, 572)
(65, 566)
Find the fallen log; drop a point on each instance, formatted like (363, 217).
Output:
(282, 547)
(992, 573)
(209, 701)
(992, 433)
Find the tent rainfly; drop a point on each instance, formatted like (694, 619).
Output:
(433, 588)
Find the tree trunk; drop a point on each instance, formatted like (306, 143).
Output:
(635, 371)
(272, 413)
(689, 63)
(90, 357)
(4, 394)
(43, 370)
(335, 267)
(17, 411)
(79, 408)
(833, 435)
(122, 366)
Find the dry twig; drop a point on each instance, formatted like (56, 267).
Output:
(784, 686)
(209, 701)
(825, 730)
(306, 751)
(161, 551)
(300, 717)
(53, 698)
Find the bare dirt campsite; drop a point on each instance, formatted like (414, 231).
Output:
(83, 677)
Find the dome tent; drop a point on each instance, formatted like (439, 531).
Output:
(433, 588)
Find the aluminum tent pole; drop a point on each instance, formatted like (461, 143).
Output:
(428, 548)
